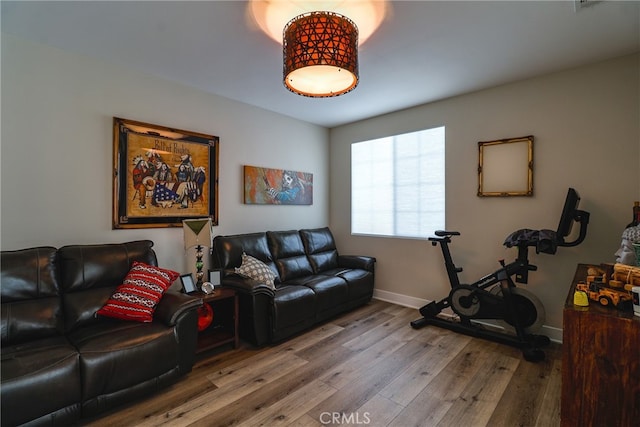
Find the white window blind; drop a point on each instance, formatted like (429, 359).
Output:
(397, 185)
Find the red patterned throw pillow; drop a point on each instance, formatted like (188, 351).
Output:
(140, 292)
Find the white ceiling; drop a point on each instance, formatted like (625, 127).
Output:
(423, 51)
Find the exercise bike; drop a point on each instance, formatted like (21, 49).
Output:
(496, 296)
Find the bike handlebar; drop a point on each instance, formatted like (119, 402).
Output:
(582, 218)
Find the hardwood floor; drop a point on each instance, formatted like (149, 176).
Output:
(367, 367)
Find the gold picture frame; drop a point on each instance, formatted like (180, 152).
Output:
(162, 175)
(505, 167)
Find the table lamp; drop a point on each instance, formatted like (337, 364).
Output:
(197, 232)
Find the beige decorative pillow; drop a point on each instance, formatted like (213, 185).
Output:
(255, 269)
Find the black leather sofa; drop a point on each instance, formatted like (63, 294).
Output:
(61, 362)
(312, 281)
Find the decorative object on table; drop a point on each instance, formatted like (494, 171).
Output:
(606, 296)
(205, 316)
(505, 167)
(635, 297)
(636, 215)
(628, 253)
(264, 186)
(625, 276)
(208, 288)
(222, 321)
(580, 299)
(197, 233)
(610, 288)
(188, 285)
(162, 175)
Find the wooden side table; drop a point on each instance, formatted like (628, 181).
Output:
(600, 363)
(224, 328)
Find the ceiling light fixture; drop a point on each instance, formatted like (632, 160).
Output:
(320, 52)
(319, 42)
(271, 16)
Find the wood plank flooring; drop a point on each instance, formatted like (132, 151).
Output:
(367, 367)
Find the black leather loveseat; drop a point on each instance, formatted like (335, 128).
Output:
(311, 281)
(61, 362)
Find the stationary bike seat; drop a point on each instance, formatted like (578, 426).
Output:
(545, 241)
(444, 233)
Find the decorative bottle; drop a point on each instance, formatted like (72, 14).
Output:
(636, 215)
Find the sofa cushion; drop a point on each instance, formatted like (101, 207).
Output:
(332, 293)
(321, 248)
(38, 378)
(288, 253)
(115, 355)
(228, 251)
(294, 309)
(90, 273)
(255, 269)
(359, 283)
(136, 299)
(323, 261)
(30, 295)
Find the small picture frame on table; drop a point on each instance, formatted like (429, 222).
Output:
(188, 285)
(215, 277)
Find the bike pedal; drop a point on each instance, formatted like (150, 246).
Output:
(430, 310)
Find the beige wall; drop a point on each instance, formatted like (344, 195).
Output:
(57, 112)
(56, 163)
(586, 127)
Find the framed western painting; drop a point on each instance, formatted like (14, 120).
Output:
(265, 186)
(162, 175)
(505, 167)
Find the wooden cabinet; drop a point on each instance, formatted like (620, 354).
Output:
(224, 327)
(600, 364)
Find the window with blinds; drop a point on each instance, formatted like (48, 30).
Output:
(397, 185)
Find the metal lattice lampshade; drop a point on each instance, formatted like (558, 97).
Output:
(320, 54)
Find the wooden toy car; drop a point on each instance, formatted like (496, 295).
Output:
(606, 296)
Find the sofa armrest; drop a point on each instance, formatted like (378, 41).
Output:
(246, 286)
(357, 261)
(256, 302)
(173, 305)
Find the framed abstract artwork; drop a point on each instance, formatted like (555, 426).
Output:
(162, 176)
(265, 186)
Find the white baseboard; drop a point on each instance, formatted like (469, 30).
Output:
(399, 299)
(554, 334)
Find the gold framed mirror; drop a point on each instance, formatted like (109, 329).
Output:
(505, 167)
